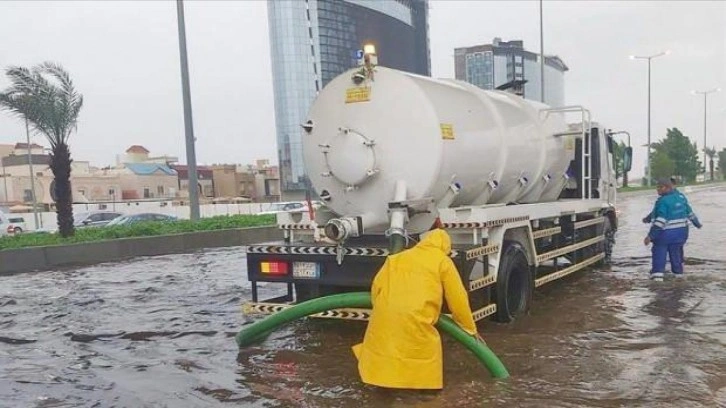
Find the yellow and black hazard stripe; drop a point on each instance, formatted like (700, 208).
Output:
(344, 314)
(314, 250)
(487, 224)
(295, 226)
(320, 250)
(481, 251)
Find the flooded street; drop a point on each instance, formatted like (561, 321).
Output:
(159, 332)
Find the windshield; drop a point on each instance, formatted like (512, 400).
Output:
(79, 218)
(118, 220)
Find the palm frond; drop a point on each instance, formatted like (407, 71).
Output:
(46, 96)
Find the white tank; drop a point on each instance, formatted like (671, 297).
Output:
(362, 139)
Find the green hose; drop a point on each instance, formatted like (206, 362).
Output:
(397, 244)
(260, 329)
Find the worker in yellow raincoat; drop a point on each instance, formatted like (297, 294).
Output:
(402, 347)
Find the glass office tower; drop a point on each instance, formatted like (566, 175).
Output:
(313, 41)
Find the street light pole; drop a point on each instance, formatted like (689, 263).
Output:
(188, 125)
(5, 181)
(32, 175)
(649, 58)
(705, 104)
(541, 52)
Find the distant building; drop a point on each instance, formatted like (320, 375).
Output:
(490, 66)
(140, 154)
(148, 181)
(313, 41)
(259, 182)
(136, 177)
(205, 180)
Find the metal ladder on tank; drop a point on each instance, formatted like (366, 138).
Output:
(585, 135)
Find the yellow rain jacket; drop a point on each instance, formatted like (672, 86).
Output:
(401, 347)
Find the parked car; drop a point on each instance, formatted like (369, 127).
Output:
(16, 225)
(10, 224)
(137, 218)
(94, 218)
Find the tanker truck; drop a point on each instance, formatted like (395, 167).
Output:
(526, 191)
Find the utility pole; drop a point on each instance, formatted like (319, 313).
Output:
(705, 105)
(541, 53)
(32, 175)
(649, 58)
(5, 181)
(188, 125)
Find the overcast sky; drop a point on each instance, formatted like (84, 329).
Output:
(124, 58)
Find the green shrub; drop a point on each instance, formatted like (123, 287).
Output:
(143, 229)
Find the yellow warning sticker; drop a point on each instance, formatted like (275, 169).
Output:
(355, 95)
(447, 131)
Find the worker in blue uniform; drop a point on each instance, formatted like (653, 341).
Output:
(669, 231)
(649, 218)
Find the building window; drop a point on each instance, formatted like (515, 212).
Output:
(28, 195)
(147, 192)
(160, 191)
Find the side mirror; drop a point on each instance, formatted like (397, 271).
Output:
(627, 159)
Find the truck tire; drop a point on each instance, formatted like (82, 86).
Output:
(514, 283)
(607, 245)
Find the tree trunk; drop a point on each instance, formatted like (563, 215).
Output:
(710, 163)
(60, 164)
(625, 179)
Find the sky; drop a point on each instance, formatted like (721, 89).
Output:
(124, 58)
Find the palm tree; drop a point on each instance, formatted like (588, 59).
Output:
(711, 153)
(45, 96)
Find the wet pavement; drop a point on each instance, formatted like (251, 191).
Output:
(158, 332)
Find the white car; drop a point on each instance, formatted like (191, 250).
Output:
(16, 225)
(11, 224)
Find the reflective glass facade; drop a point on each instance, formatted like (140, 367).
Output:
(313, 41)
(489, 66)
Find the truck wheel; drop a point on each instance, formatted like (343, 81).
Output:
(18, 230)
(607, 245)
(514, 283)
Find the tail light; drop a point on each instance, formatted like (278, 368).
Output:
(274, 267)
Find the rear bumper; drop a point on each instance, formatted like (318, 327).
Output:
(357, 268)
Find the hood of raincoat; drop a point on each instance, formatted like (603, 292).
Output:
(436, 239)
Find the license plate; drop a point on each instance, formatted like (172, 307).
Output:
(305, 270)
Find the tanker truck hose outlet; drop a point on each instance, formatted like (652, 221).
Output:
(335, 230)
(340, 229)
(259, 330)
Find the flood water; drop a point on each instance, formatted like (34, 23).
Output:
(158, 332)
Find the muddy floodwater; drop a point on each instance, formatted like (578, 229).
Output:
(158, 332)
